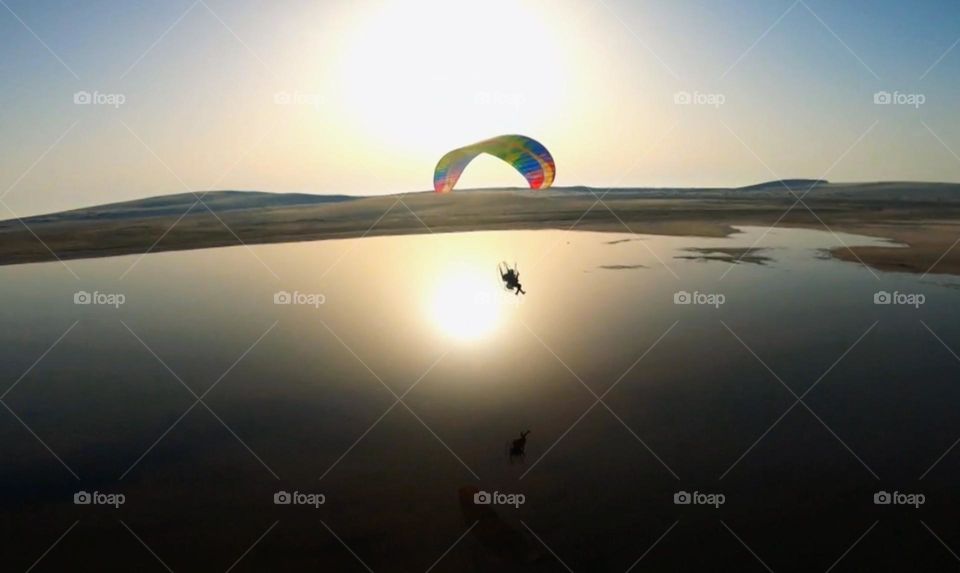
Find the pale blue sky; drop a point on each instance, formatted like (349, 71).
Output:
(363, 97)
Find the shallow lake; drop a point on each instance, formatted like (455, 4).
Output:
(777, 394)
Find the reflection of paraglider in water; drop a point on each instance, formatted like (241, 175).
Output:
(518, 448)
(526, 155)
(510, 277)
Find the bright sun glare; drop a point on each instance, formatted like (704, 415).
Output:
(416, 77)
(466, 304)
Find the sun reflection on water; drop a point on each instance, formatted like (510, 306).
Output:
(466, 302)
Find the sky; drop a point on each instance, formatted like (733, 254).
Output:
(115, 100)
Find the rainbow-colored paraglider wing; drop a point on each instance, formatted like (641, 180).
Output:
(526, 155)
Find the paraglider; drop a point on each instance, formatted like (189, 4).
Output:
(510, 277)
(526, 155)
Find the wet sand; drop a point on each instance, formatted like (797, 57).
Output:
(735, 255)
(931, 247)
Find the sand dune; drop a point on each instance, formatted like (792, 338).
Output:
(925, 216)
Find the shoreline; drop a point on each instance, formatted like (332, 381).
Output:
(930, 229)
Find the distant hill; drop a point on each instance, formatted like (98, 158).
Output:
(794, 184)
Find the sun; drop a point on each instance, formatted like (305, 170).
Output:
(466, 303)
(426, 75)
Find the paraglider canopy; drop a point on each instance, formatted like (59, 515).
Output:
(526, 155)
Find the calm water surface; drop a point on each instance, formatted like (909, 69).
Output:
(395, 381)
